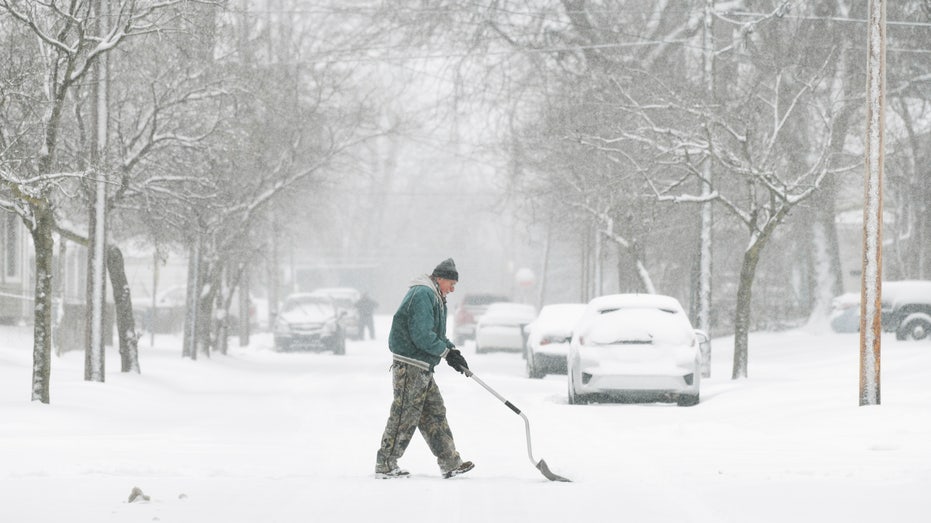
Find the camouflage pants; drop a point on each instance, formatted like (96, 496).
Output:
(417, 405)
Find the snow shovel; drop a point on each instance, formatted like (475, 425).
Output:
(539, 464)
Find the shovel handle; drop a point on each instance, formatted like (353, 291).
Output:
(504, 400)
(509, 405)
(541, 465)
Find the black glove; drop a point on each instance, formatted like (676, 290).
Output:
(455, 360)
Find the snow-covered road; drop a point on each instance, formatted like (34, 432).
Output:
(259, 436)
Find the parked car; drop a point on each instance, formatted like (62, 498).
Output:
(345, 299)
(168, 315)
(905, 310)
(845, 313)
(469, 310)
(548, 338)
(635, 347)
(309, 321)
(501, 327)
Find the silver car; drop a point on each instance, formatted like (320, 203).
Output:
(548, 338)
(309, 322)
(635, 347)
(345, 299)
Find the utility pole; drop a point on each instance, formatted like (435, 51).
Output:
(871, 286)
(94, 354)
(704, 271)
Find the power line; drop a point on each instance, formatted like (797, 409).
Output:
(837, 19)
(540, 16)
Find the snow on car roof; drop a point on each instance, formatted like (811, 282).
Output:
(641, 324)
(342, 292)
(510, 310)
(560, 315)
(913, 291)
(617, 301)
(308, 297)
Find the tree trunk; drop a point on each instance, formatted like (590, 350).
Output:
(126, 324)
(192, 303)
(222, 301)
(220, 317)
(41, 231)
(743, 308)
(198, 322)
(244, 304)
(541, 295)
(745, 290)
(828, 278)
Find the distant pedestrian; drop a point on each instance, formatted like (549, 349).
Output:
(418, 342)
(366, 307)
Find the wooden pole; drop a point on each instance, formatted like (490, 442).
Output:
(871, 286)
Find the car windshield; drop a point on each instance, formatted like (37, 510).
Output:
(308, 304)
(483, 299)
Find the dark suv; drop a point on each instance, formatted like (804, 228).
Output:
(906, 309)
(468, 312)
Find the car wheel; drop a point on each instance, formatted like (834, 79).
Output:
(916, 327)
(687, 400)
(575, 399)
(532, 371)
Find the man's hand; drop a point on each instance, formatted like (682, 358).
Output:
(455, 360)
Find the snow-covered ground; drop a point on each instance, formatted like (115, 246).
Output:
(258, 436)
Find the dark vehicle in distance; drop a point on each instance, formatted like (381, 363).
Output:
(906, 309)
(469, 311)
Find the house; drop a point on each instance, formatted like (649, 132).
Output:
(15, 270)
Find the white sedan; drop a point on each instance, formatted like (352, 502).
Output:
(548, 338)
(501, 327)
(638, 347)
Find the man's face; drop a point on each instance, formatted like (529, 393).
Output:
(446, 286)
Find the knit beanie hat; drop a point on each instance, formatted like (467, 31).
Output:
(446, 269)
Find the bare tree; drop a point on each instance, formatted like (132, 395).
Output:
(750, 139)
(63, 46)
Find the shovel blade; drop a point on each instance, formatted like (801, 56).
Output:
(549, 474)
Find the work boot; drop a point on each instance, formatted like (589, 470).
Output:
(461, 469)
(393, 473)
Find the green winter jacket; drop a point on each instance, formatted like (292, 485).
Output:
(418, 329)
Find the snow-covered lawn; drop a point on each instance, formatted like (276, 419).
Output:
(258, 436)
